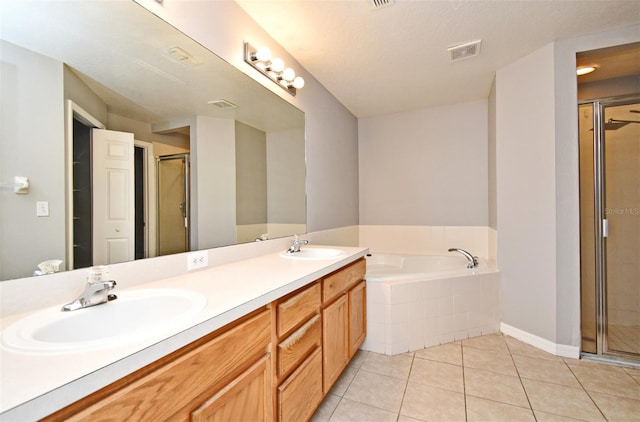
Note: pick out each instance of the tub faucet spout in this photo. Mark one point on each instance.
(473, 260)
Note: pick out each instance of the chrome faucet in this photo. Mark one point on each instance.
(296, 243)
(94, 294)
(473, 260)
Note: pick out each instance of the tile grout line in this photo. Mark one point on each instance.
(406, 385)
(586, 392)
(464, 384)
(520, 379)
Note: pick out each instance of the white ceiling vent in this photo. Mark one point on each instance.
(464, 51)
(379, 4)
(224, 104)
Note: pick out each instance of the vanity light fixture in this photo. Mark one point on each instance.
(273, 68)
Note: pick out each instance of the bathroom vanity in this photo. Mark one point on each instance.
(289, 329)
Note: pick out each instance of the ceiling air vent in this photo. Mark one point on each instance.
(379, 4)
(464, 51)
(224, 104)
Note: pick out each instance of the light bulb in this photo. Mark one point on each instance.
(583, 70)
(263, 54)
(288, 74)
(298, 82)
(277, 65)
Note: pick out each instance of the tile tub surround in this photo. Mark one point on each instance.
(490, 378)
(405, 316)
(232, 291)
(429, 240)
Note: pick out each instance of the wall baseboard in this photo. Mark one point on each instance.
(562, 350)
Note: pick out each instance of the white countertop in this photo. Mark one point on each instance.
(33, 385)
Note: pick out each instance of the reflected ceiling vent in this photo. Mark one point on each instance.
(223, 104)
(379, 4)
(464, 51)
(183, 56)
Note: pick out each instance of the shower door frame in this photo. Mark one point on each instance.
(600, 221)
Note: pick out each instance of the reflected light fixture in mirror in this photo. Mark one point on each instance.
(273, 68)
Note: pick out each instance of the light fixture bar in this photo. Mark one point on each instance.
(273, 68)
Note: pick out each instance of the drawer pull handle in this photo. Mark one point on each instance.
(300, 332)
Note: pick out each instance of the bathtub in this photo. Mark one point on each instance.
(418, 301)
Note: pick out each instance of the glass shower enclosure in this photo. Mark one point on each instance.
(610, 226)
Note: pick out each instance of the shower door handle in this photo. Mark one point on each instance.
(605, 228)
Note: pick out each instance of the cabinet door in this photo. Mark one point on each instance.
(357, 317)
(335, 340)
(247, 398)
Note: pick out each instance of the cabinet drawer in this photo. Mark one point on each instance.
(301, 393)
(294, 310)
(294, 348)
(340, 281)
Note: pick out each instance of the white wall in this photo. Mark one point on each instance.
(37, 116)
(426, 167)
(213, 177)
(526, 205)
(286, 177)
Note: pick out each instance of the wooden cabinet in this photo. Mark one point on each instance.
(209, 378)
(343, 319)
(244, 399)
(298, 336)
(301, 393)
(335, 340)
(357, 317)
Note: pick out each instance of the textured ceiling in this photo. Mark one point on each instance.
(392, 59)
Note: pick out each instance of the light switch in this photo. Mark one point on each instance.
(42, 209)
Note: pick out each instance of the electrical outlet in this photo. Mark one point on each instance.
(197, 260)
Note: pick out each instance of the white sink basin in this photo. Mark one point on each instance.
(315, 253)
(135, 315)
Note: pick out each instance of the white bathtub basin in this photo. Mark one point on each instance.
(315, 253)
(133, 316)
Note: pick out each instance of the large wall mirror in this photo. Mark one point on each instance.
(134, 141)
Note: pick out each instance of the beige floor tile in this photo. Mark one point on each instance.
(392, 366)
(561, 400)
(607, 379)
(350, 411)
(376, 390)
(488, 360)
(437, 374)
(493, 342)
(447, 353)
(357, 360)
(494, 386)
(487, 410)
(546, 370)
(342, 383)
(432, 404)
(617, 408)
(328, 405)
(550, 417)
(517, 347)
